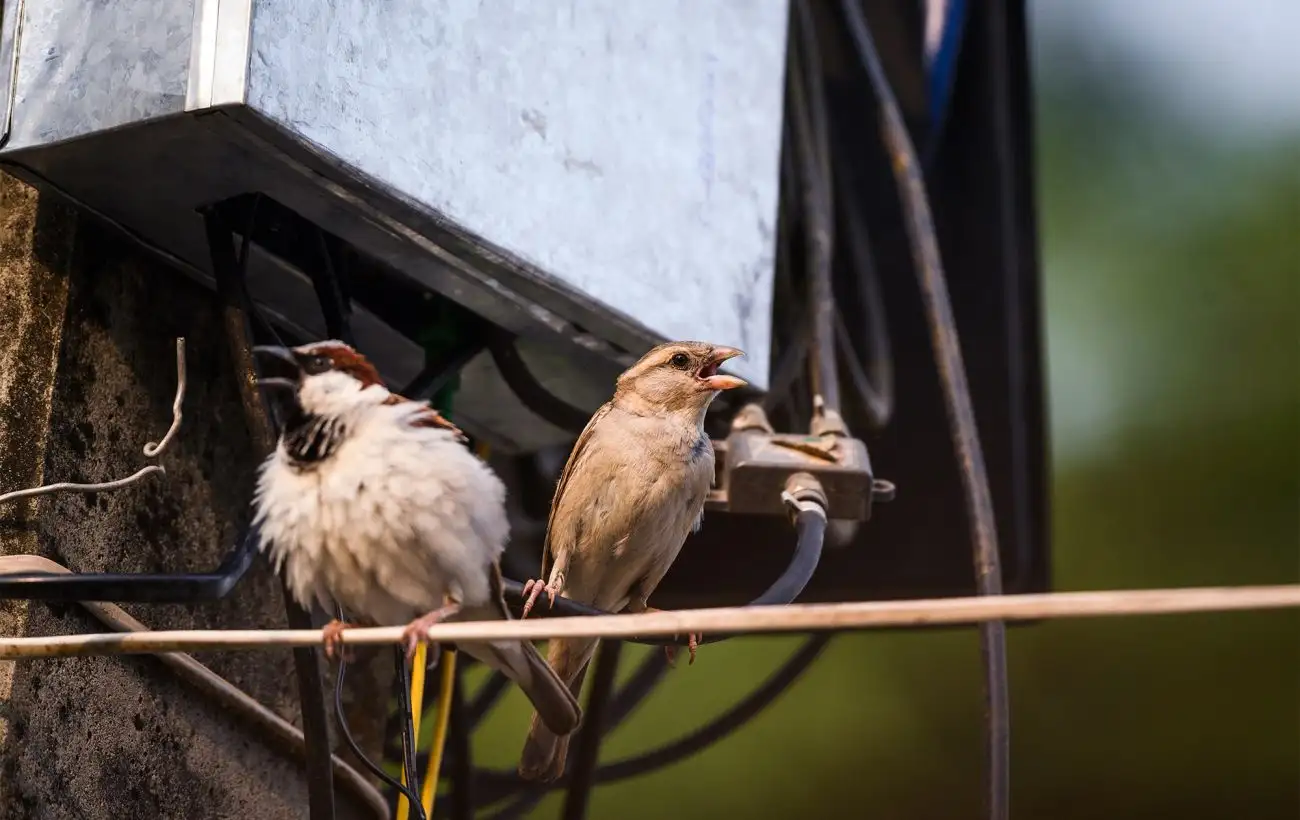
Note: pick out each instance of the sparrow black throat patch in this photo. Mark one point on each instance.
(309, 439)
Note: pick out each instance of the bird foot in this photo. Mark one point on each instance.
(533, 590)
(417, 631)
(692, 643)
(334, 639)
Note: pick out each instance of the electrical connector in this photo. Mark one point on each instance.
(757, 463)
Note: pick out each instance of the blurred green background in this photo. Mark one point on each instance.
(1169, 192)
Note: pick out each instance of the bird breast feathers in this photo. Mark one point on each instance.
(391, 494)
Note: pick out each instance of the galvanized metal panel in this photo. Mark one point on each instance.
(589, 176)
(628, 148)
(88, 66)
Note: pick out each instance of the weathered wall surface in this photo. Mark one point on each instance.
(33, 290)
(87, 376)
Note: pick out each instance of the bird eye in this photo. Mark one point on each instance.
(680, 361)
(316, 364)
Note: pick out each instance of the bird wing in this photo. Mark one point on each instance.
(427, 416)
(496, 585)
(575, 455)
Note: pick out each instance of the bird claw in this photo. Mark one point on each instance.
(417, 631)
(334, 640)
(692, 643)
(532, 591)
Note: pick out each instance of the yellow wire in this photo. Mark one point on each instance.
(441, 719)
(417, 704)
(430, 786)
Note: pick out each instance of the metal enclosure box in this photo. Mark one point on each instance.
(594, 176)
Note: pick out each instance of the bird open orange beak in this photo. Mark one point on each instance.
(709, 372)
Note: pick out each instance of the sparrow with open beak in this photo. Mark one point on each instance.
(373, 502)
(632, 490)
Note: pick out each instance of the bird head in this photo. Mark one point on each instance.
(326, 378)
(677, 377)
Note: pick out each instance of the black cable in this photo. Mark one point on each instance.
(534, 395)
(237, 312)
(942, 77)
(334, 305)
(631, 695)
(726, 723)
(792, 358)
(957, 401)
(810, 528)
(408, 733)
(459, 760)
(346, 732)
(647, 676)
(175, 588)
(488, 695)
(582, 766)
(715, 730)
(811, 150)
(259, 323)
(439, 370)
(874, 383)
(136, 588)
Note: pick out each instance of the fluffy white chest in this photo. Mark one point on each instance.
(393, 520)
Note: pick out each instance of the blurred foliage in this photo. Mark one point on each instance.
(1171, 261)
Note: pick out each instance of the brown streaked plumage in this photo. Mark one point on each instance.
(632, 490)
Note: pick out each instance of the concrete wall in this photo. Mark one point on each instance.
(87, 376)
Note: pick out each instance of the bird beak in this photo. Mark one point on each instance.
(710, 376)
(282, 356)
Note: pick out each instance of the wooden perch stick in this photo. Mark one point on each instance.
(774, 619)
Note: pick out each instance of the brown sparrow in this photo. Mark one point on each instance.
(373, 502)
(632, 490)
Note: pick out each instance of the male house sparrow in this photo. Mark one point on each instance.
(372, 501)
(632, 490)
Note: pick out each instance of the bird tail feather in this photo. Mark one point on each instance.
(545, 751)
(520, 661)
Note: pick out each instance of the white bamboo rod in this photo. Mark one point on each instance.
(774, 619)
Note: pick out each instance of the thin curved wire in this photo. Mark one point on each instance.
(151, 449)
(957, 400)
(70, 487)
